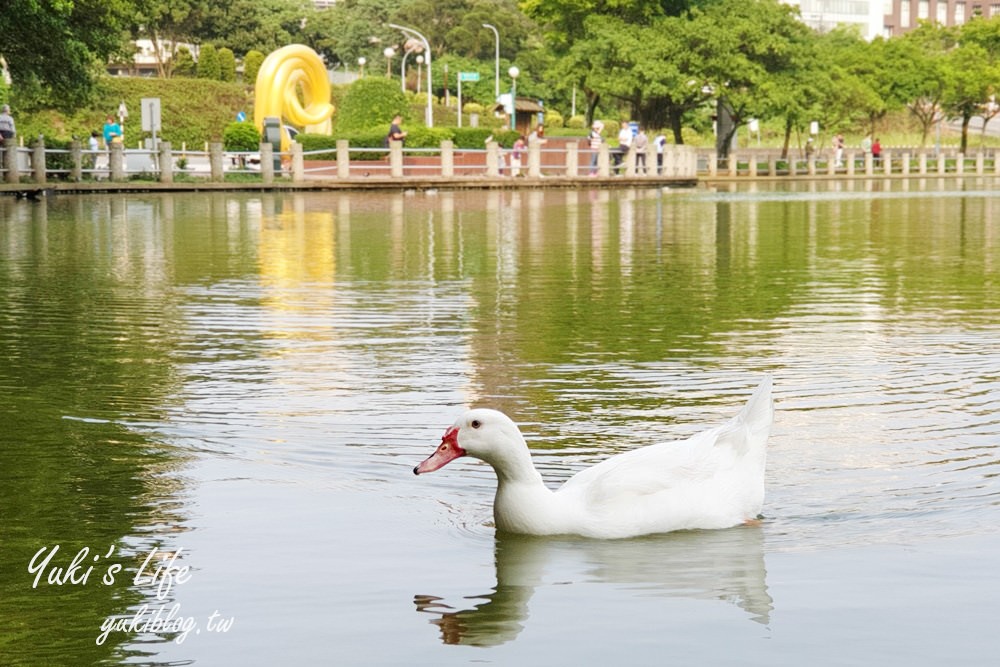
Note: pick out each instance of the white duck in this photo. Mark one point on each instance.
(714, 479)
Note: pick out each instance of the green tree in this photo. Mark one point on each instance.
(370, 102)
(183, 63)
(52, 48)
(208, 62)
(921, 71)
(972, 78)
(227, 65)
(251, 65)
(265, 25)
(167, 24)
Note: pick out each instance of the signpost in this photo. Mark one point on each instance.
(151, 116)
(464, 76)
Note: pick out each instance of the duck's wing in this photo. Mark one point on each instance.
(739, 443)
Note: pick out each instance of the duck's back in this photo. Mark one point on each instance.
(714, 479)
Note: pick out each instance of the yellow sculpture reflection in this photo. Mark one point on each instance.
(292, 84)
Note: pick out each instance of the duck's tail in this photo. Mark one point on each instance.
(748, 431)
(758, 413)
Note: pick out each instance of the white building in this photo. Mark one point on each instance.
(824, 15)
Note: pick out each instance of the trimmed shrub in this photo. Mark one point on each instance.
(241, 137)
(369, 103)
(208, 62)
(227, 65)
(577, 122)
(472, 107)
(251, 65)
(184, 64)
(553, 119)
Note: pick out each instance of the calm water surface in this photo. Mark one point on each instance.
(235, 388)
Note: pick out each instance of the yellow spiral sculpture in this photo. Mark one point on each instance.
(292, 84)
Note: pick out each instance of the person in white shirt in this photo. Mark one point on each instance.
(624, 143)
(660, 141)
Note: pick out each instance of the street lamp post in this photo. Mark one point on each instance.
(429, 114)
(514, 72)
(420, 71)
(496, 62)
(410, 48)
(389, 52)
(361, 65)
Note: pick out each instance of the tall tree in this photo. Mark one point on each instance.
(972, 79)
(53, 48)
(168, 24)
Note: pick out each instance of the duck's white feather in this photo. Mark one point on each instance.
(714, 479)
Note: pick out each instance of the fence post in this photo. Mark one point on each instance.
(980, 163)
(396, 158)
(960, 163)
(266, 162)
(752, 165)
(534, 159)
(343, 159)
(604, 160)
(38, 160)
(166, 163)
(447, 158)
(940, 163)
(76, 155)
(116, 161)
(734, 165)
(906, 164)
(10, 158)
(298, 163)
(887, 163)
(572, 159)
(492, 159)
(713, 163)
(850, 164)
(922, 163)
(869, 164)
(215, 161)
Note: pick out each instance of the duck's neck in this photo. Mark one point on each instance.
(517, 469)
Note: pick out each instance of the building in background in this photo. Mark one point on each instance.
(889, 18)
(904, 15)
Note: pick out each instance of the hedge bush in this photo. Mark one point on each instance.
(370, 102)
(208, 62)
(241, 137)
(553, 119)
(251, 65)
(577, 122)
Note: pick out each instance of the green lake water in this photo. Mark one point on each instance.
(212, 403)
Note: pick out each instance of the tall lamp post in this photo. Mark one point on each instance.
(361, 65)
(389, 52)
(496, 62)
(411, 46)
(514, 72)
(420, 72)
(429, 114)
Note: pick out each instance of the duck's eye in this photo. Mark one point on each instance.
(476, 423)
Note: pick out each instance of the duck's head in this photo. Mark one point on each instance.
(485, 434)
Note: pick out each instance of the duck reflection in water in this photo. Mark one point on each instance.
(705, 565)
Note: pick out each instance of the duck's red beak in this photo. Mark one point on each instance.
(447, 451)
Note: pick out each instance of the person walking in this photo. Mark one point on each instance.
(639, 145)
(7, 133)
(595, 140)
(624, 144)
(660, 143)
(517, 156)
(7, 128)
